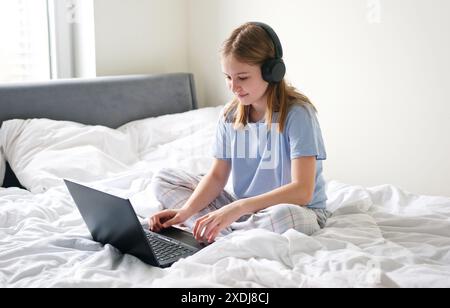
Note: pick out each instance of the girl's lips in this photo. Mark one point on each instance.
(241, 96)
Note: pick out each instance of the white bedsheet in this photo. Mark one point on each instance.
(379, 236)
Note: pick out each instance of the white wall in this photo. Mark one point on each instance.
(380, 82)
(83, 32)
(381, 88)
(141, 36)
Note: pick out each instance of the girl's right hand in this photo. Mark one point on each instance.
(167, 218)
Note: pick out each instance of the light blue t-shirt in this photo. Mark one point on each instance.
(261, 159)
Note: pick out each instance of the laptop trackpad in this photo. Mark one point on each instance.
(182, 236)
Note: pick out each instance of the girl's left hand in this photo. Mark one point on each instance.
(206, 228)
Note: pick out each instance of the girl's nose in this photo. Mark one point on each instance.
(234, 86)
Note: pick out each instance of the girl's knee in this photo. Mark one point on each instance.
(284, 210)
(163, 174)
(160, 181)
(294, 216)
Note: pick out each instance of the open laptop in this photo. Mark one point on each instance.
(112, 220)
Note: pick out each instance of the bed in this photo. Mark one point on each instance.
(114, 133)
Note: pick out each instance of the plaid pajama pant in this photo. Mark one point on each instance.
(173, 187)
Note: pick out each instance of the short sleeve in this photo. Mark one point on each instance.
(221, 147)
(304, 133)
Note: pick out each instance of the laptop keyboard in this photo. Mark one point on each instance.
(166, 250)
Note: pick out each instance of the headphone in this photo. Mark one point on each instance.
(273, 70)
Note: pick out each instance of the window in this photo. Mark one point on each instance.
(24, 40)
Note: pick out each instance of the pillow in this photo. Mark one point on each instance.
(2, 164)
(182, 140)
(150, 133)
(42, 152)
(192, 152)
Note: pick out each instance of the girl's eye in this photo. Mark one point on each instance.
(240, 78)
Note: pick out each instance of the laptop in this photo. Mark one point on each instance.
(112, 220)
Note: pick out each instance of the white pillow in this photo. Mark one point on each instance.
(192, 153)
(2, 163)
(182, 140)
(42, 152)
(150, 133)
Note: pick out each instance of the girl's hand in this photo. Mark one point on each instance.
(167, 218)
(206, 228)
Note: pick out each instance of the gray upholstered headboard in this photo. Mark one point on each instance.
(107, 101)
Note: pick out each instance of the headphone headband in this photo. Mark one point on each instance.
(272, 70)
(273, 36)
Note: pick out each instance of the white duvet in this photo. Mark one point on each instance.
(378, 237)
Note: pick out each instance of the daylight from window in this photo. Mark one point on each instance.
(24, 41)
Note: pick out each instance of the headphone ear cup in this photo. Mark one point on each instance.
(273, 70)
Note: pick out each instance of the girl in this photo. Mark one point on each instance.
(268, 138)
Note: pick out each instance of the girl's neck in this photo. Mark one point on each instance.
(257, 113)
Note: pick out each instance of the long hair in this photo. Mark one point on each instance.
(251, 44)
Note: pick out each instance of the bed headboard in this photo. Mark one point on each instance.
(107, 101)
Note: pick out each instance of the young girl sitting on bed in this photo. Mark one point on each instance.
(268, 138)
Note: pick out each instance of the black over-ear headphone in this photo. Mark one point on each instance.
(273, 70)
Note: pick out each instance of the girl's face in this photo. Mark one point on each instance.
(245, 81)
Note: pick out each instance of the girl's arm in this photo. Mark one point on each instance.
(300, 191)
(210, 186)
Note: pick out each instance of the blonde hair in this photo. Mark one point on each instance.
(251, 44)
